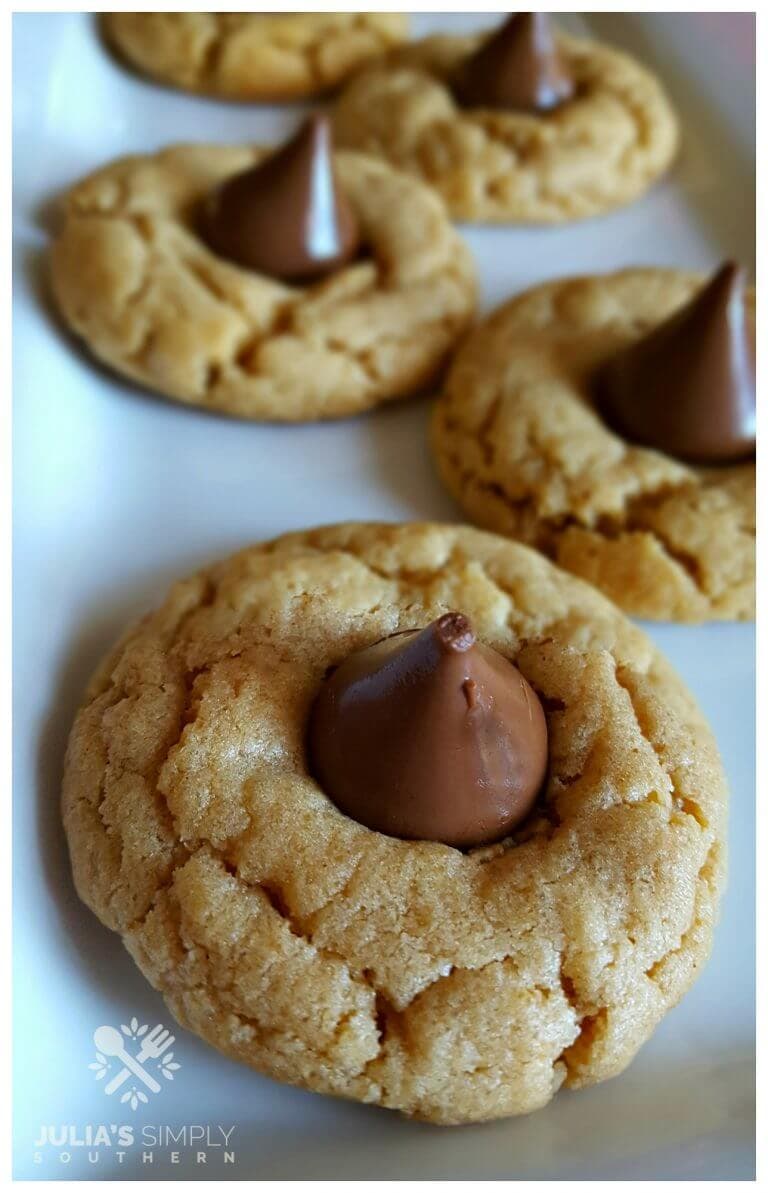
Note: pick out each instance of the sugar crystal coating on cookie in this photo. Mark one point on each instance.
(688, 387)
(287, 216)
(431, 735)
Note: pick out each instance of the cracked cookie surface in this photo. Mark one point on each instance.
(134, 279)
(451, 986)
(521, 447)
(602, 149)
(252, 56)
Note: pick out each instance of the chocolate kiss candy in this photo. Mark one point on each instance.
(519, 67)
(430, 735)
(688, 387)
(285, 217)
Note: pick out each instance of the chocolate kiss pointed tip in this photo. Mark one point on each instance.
(687, 388)
(430, 735)
(730, 273)
(313, 136)
(454, 632)
(519, 67)
(287, 216)
(727, 285)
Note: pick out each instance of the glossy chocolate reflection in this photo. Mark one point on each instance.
(286, 217)
(430, 735)
(519, 67)
(688, 387)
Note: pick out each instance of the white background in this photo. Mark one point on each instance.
(117, 493)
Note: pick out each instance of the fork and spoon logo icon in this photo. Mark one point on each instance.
(154, 1045)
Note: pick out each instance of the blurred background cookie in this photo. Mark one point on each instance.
(252, 56)
(522, 124)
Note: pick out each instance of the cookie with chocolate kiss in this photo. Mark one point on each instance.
(453, 987)
(430, 735)
(519, 68)
(547, 413)
(523, 123)
(688, 387)
(287, 216)
(250, 339)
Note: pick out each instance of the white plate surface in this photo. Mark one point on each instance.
(117, 493)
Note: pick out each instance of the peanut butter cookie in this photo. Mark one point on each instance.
(133, 277)
(452, 986)
(522, 447)
(252, 56)
(602, 147)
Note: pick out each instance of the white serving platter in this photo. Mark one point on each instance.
(117, 493)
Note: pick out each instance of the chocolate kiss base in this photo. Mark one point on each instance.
(286, 217)
(430, 735)
(688, 388)
(518, 68)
